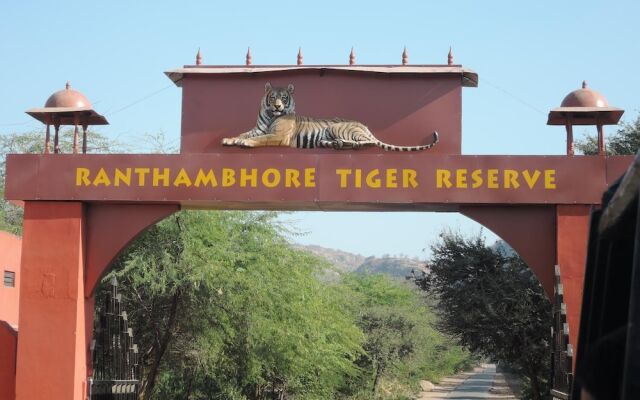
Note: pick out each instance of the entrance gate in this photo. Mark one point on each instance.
(114, 354)
(81, 210)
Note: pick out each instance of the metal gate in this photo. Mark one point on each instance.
(115, 355)
(562, 352)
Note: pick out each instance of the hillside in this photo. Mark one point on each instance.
(345, 262)
(342, 260)
(399, 267)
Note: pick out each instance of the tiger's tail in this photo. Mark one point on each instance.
(391, 147)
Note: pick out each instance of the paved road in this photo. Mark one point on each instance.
(476, 386)
(471, 386)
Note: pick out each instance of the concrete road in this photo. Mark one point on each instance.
(483, 383)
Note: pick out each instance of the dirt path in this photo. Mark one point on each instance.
(482, 383)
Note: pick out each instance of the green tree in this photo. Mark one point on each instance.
(626, 141)
(401, 342)
(493, 304)
(223, 307)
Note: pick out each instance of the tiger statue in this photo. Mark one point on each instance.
(278, 125)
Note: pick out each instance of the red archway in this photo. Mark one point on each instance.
(82, 210)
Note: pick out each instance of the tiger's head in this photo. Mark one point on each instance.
(278, 101)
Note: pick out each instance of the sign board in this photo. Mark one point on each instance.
(327, 180)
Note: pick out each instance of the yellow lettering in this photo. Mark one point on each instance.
(549, 178)
(122, 176)
(82, 176)
(157, 177)
(476, 175)
(309, 177)
(409, 178)
(358, 177)
(492, 179)
(392, 178)
(142, 172)
(101, 178)
(291, 177)
(202, 179)
(251, 177)
(443, 178)
(228, 177)
(182, 178)
(344, 173)
(372, 180)
(461, 178)
(271, 182)
(511, 179)
(531, 179)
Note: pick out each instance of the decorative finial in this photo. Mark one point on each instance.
(300, 58)
(68, 85)
(199, 57)
(584, 84)
(248, 58)
(450, 57)
(352, 57)
(405, 56)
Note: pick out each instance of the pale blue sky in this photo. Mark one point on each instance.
(528, 56)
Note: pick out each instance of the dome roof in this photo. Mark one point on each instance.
(67, 107)
(67, 98)
(584, 107)
(584, 97)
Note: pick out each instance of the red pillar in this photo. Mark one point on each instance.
(572, 234)
(52, 345)
(8, 343)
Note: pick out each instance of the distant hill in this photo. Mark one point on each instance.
(342, 260)
(398, 267)
(345, 262)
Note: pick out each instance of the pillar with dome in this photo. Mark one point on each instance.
(585, 106)
(67, 107)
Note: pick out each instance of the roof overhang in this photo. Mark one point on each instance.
(468, 77)
(585, 116)
(68, 116)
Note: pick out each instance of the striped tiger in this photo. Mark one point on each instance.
(278, 125)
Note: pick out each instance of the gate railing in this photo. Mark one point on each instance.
(562, 352)
(115, 355)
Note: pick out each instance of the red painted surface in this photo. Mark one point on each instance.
(504, 179)
(52, 350)
(529, 230)
(8, 345)
(572, 237)
(616, 167)
(110, 228)
(10, 248)
(398, 109)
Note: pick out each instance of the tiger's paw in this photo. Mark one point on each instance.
(244, 143)
(229, 141)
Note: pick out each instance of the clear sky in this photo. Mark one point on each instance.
(528, 55)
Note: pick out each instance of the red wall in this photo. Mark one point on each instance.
(8, 346)
(9, 261)
(399, 109)
(10, 247)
